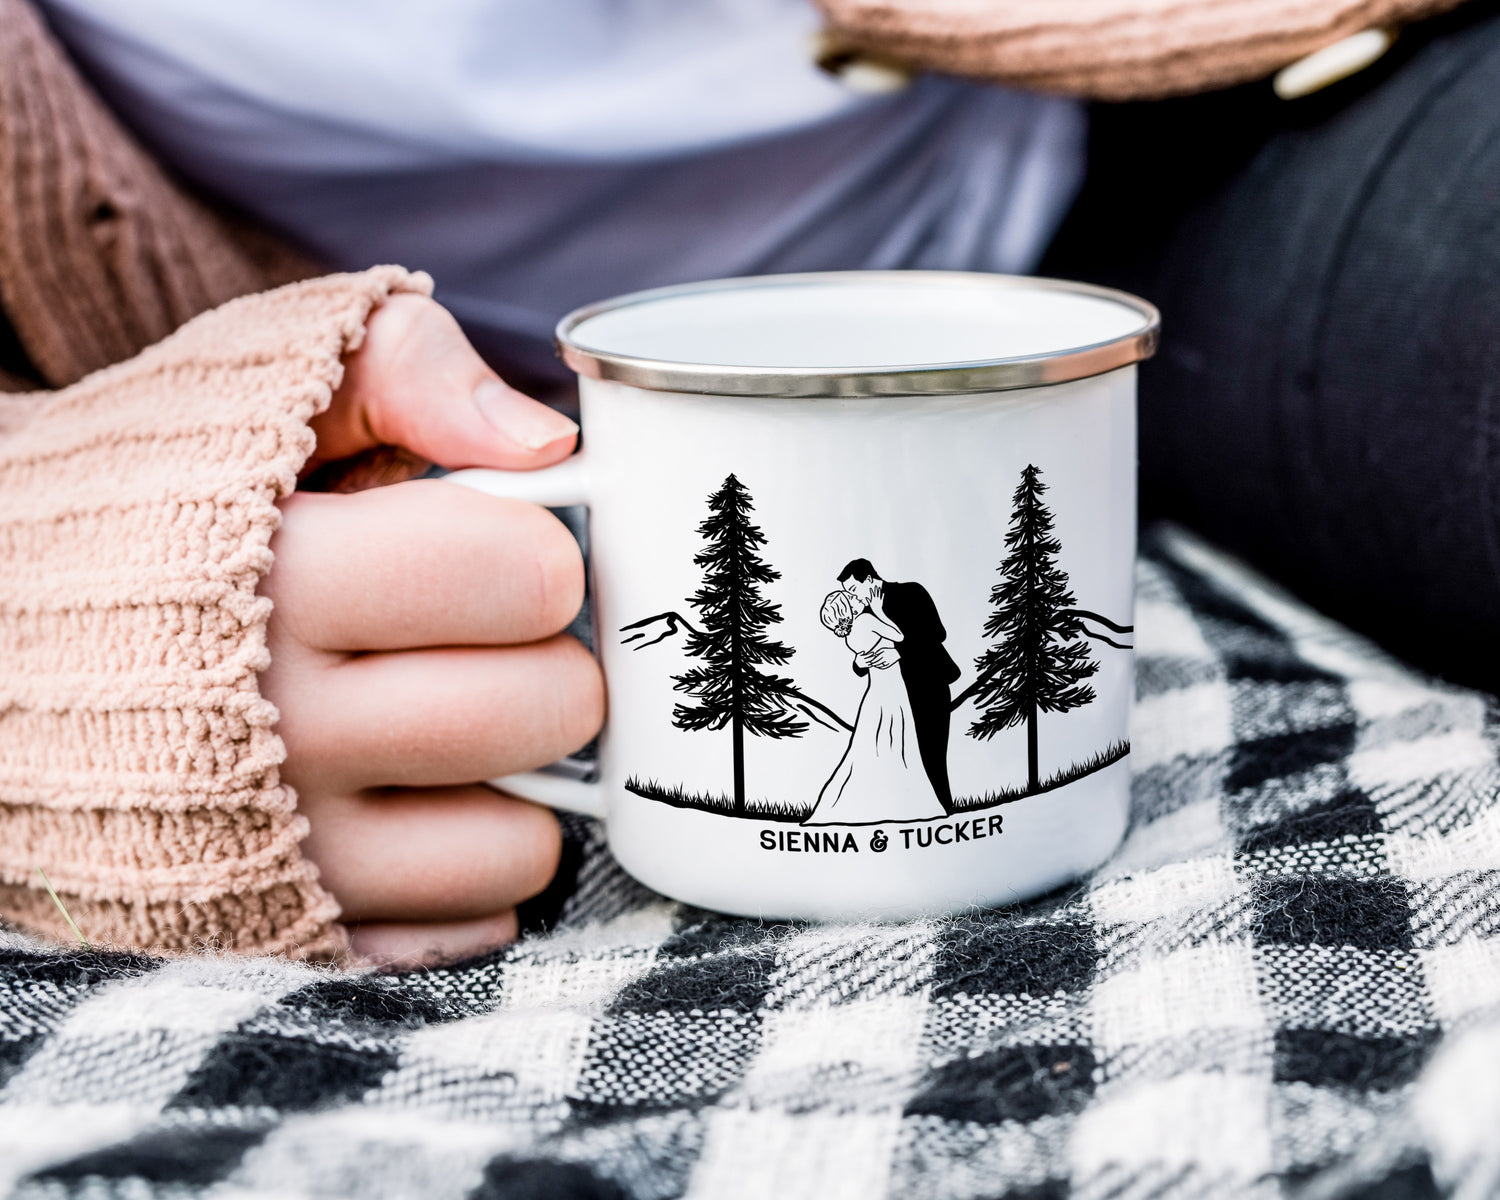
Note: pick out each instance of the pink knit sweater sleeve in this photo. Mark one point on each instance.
(138, 760)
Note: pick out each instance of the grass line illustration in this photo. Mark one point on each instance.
(1073, 774)
(769, 810)
(755, 809)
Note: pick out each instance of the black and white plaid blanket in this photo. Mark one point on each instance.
(1287, 982)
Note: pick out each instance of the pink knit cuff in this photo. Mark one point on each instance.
(138, 763)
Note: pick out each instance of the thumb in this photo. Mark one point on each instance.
(415, 382)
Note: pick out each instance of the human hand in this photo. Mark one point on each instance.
(416, 649)
(881, 658)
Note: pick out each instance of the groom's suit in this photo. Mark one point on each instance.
(928, 672)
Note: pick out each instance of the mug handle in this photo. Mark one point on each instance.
(558, 486)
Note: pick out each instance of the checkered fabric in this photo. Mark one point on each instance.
(1286, 982)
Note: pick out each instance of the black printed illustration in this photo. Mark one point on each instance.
(894, 762)
(1040, 662)
(730, 687)
(895, 767)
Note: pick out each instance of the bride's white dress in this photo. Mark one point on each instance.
(880, 777)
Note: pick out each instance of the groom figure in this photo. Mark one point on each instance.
(926, 668)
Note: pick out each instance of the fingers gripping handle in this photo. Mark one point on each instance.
(564, 484)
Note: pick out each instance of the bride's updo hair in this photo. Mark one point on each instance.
(839, 611)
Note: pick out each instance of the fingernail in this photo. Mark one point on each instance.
(529, 424)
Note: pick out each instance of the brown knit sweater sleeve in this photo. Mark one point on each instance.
(1108, 49)
(138, 760)
(101, 253)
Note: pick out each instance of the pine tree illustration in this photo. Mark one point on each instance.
(730, 688)
(1042, 662)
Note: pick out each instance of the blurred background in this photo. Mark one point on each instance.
(1327, 259)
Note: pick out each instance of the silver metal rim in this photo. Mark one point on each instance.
(928, 379)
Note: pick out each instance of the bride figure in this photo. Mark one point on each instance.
(880, 777)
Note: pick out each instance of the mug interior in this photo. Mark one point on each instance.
(858, 321)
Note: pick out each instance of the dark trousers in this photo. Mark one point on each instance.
(1327, 398)
(931, 707)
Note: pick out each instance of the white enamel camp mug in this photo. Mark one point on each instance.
(861, 549)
